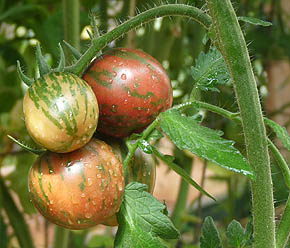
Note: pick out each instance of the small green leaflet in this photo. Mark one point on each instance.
(281, 132)
(186, 133)
(27, 147)
(210, 237)
(210, 70)
(237, 236)
(254, 21)
(142, 220)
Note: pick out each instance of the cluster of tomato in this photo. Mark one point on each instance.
(79, 182)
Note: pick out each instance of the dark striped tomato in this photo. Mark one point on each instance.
(132, 88)
(61, 112)
(80, 189)
(142, 169)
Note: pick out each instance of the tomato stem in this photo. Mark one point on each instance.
(133, 147)
(99, 43)
(232, 45)
(71, 21)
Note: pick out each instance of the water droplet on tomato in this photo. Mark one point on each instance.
(114, 108)
(121, 63)
(154, 77)
(114, 74)
(123, 76)
(99, 175)
(90, 182)
(90, 126)
(108, 163)
(120, 187)
(126, 101)
(83, 195)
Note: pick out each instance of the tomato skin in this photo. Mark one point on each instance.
(142, 169)
(61, 112)
(80, 189)
(132, 88)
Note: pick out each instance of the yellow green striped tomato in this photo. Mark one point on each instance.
(80, 189)
(61, 112)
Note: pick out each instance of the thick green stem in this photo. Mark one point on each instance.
(283, 231)
(71, 21)
(233, 47)
(61, 236)
(166, 10)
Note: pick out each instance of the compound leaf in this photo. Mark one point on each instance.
(186, 133)
(142, 220)
(210, 70)
(210, 237)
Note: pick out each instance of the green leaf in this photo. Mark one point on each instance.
(16, 218)
(142, 220)
(186, 133)
(19, 180)
(18, 9)
(210, 237)
(169, 161)
(254, 21)
(210, 70)
(280, 131)
(3, 233)
(236, 234)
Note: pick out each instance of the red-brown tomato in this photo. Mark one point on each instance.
(131, 87)
(80, 189)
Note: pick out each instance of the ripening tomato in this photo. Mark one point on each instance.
(132, 88)
(61, 112)
(80, 189)
(142, 169)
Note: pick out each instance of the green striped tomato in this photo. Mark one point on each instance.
(80, 189)
(132, 88)
(61, 112)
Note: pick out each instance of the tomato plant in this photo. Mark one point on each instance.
(132, 88)
(80, 189)
(61, 112)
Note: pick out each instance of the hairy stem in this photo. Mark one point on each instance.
(233, 47)
(99, 43)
